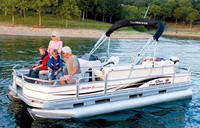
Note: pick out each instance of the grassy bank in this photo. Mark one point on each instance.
(180, 27)
(53, 21)
(182, 30)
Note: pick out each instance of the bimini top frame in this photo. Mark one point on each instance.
(133, 22)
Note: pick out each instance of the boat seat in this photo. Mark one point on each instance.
(43, 74)
(126, 71)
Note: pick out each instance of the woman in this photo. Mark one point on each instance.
(55, 43)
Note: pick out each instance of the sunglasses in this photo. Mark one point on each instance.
(53, 36)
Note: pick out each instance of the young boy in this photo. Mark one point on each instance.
(55, 66)
(34, 71)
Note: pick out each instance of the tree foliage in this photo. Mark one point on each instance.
(155, 11)
(10, 7)
(69, 10)
(192, 17)
(131, 12)
(40, 6)
(105, 10)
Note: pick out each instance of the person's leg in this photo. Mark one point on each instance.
(61, 77)
(35, 73)
(30, 72)
(52, 77)
(62, 80)
(75, 78)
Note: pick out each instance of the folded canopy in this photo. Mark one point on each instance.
(135, 22)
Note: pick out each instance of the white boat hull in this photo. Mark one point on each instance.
(109, 107)
(121, 88)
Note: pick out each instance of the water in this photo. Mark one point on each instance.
(184, 113)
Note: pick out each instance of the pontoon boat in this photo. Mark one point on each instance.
(107, 86)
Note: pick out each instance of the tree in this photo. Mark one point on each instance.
(155, 10)
(24, 5)
(69, 10)
(166, 10)
(10, 7)
(177, 14)
(192, 17)
(113, 9)
(185, 3)
(182, 12)
(185, 11)
(131, 12)
(84, 6)
(40, 6)
(101, 8)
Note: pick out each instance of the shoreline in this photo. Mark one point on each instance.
(71, 33)
(182, 35)
(86, 33)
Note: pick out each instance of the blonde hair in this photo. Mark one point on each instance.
(56, 34)
(42, 48)
(54, 51)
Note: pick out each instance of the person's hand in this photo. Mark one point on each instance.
(56, 73)
(69, 78)
(34, 68)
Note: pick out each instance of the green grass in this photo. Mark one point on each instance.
(53, 21)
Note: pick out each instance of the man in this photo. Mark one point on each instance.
(72, 65)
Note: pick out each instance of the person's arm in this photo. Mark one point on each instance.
(60, 47)
(44, 62)
(60, 67)
(75, 69)
(49, 47)
(56, 72)
(34, 68)
(50, 69)
(49, 65)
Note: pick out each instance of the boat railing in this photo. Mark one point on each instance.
(172, 75)
(107, 79)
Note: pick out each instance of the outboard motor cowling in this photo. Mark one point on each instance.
(90, 57)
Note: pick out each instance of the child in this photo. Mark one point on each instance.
(55, 43)
(34, 71)
(55, 66)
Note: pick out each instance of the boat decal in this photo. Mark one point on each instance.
(150, 82)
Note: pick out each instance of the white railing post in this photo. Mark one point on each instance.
(106, 83)
(77, 88)
(108, 49)
(154, 54)
(173, 75)
(22, 84)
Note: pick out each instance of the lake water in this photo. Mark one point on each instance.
(184, 113)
